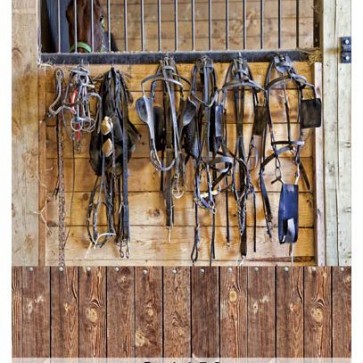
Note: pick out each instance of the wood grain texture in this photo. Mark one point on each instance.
(319, 200)
(227, 312)
(25, 194)
(92, 312)
(42, 160)
(17, 311)
(261, 312)
(148, 312)
(317, 312)
(330, 111)
(205, 312)
(120, 311)
(344, 116)
(233, 310)
(341, 312)
(289, 312)
(36, 312)
(177, 312)
(64, 312)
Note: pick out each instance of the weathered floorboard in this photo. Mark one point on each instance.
(64, 312)
(36, 312)
(177, 312)
(148, 312)
(205, 312)
(289, 312)
(17, 311)
(120, 311)
(261, 312)
(317, 312)
(341, 312)
(92, 312)
(233, 310)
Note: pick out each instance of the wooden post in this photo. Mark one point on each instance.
(337, 132)
(25, 179)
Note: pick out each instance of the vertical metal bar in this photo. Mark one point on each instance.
(159, 25)
(193, 24)
(227, 24)
(297, 24)
(142, 16)
(279, 10)
(75, 26)
(109, 25)
(210, 24)
(59, 26)
(92, 27)
(125, 27)
(244, 24)
(176, 30)
(262, 16)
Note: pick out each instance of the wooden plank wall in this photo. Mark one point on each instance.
(337, 132)
(182, 312)
(218, 30)
(149, 237)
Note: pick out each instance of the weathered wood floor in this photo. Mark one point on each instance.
(181, 312)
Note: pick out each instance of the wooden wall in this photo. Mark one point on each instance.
(29, 165)
(149, 244)
(182, 312)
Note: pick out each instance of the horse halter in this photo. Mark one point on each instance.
(308, 116)
(165, 123)
(239, 80)
(205, 143)
(81, 45)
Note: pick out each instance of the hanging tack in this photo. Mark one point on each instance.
(31, 269)
(144, 271)
(202, 270)
(117, 269)
(174, 271)
(61, 269)
(230, 269)
(342, 269)
(256, 269)
(313, 268)
(286, 269)
(88, 269)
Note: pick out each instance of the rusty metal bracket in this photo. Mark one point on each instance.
(346, 49)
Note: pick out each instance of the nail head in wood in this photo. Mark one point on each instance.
(342, 269)
(61, 269)
(230, 269)
(88, 269)
(31, 269)
(286, 269)
(256, 269)
(202, 270)
(174, 271)
(144, 271)
(117, 269)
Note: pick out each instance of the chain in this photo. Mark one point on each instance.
(61, 195)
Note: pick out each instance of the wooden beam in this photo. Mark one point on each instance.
(25, 180)
(337, 133)
(319, 200)
(343, 27)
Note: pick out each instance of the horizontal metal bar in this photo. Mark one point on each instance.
(181, 57)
